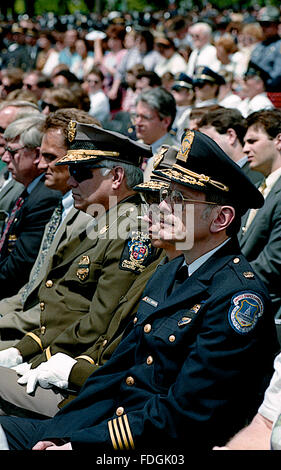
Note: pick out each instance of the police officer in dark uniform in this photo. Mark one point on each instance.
(267, 53)
(192, 364)
(17, 53)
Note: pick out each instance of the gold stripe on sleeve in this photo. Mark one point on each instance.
(125, 440)
(129, 431)
(36, 339)
(111, 433)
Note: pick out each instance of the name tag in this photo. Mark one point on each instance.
(150, 301)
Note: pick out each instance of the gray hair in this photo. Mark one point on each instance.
(26, 105)
(134, 175)
(202, 27)
(161, 100)
(27, 128)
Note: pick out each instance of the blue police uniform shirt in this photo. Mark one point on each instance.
(267, 55)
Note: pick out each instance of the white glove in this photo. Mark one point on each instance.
(22, 368)
(54, 372)
(10, 357)
(30, 378)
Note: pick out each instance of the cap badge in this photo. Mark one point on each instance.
(159, 157)
(71, 130)
(185, 146)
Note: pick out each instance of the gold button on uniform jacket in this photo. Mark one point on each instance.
(85, 284)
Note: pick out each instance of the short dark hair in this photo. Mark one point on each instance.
(96, 71)
(61, 118)
(154, 79)
(269, 120)
(223, 119)
(148, 37)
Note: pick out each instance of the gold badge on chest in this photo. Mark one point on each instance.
(84, 268)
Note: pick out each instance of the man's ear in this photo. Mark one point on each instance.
(278, 141)
(118, 175)
(232, 136)
(37, 155)
(166, 120)
(223, 218)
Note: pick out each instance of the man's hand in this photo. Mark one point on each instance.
(10, 357)
(50, 445)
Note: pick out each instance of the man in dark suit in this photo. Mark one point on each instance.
(10, 189)
(198, 341)
(227, 128)
(260, 232)
(24, 228)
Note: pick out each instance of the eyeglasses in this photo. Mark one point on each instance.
(82, 172)
(144, 117)
(9, 88)
(52, 107)
(12, 152)
(176, 197)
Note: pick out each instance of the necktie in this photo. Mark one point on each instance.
(182, 273)
(53, 225)
(15, 210)
(253, 212)
(180, 277)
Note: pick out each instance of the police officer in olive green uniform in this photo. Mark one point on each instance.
(88, 279)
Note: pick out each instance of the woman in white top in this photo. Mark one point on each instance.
(93, 84)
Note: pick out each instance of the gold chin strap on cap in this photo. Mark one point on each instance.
(201, 178)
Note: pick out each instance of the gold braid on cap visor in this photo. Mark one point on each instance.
(82, 155)
(192, 178)
(153, 185)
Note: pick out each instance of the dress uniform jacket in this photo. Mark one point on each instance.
(18, 317)
(103, 348)
(188, 370)
(85, 282)
(260, 243)
(24, 238)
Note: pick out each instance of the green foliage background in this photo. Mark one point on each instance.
(71, 6)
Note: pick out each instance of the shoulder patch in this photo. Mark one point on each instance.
(137, 253)
(244, 312)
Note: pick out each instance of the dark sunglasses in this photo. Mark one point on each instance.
(52, 107)
(12, 152)
(200, 84)
(82, 172)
